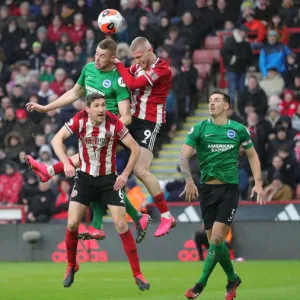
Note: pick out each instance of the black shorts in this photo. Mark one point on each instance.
(144, 132)
(88, 188)
(218, 203)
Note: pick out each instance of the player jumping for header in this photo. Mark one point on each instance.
(98, 133)
(217, 141)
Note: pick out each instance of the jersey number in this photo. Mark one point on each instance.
(147, 134)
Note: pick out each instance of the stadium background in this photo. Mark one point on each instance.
(44, 45)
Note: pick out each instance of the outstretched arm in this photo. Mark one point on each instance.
(131, 82)
(190, 189)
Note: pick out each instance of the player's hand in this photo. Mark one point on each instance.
(69, 170)
(116, 61)
(190, 191)
(260, 194)
(31, 106)
(120, 182)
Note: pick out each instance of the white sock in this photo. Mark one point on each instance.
(50, 170)
(166, 215)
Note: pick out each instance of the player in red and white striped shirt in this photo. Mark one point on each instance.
(149, 81)
(98, 132)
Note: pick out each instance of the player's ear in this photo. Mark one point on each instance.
(87, 109)
(112, 58)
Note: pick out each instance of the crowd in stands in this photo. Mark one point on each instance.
(44, 44)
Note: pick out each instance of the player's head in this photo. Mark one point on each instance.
(142, 52)
(105, 54)
(219, 103)
(95, 107)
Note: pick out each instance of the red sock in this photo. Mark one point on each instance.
(59, 167)
(71, 243)
(161, 203)
(131, 252)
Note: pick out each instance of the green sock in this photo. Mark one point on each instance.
(209, 264)
(131, 210)
(223, 257)
(99, 212)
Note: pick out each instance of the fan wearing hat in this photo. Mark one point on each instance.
(273, 54)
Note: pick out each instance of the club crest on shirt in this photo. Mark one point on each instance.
(107, 83)
(121, 82)
(231, 134)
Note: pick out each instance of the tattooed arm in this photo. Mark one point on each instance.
(190, 189)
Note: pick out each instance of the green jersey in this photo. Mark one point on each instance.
(218, 148)
(109, 84)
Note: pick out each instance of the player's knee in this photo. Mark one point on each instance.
(140, 171)
(216, 240)
(72, 225)
(121, 226)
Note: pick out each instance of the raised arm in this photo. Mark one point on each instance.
(125, 114)
(129, 142)
(190, 190)
(59, 149)
(67, 98)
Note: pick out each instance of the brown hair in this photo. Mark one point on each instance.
(108, 44)
(89, 99)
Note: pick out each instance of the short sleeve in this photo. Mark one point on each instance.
(246, 141)
(120, 130)
(192, 137)
(157, 73)
(81, 78)
(73, 125)
(122, 92)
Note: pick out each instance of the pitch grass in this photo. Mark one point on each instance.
(112, 281)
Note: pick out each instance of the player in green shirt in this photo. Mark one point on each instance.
(217, 142)
(100, 77)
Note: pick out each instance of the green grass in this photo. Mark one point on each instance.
(112, 281)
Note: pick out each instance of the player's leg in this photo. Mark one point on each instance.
(201, 240)
(142, 172)
(43, 172)
(118, 214)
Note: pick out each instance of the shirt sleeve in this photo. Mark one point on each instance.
(121, 90)
(120, 130)
(192, 137)
(81, 78)
(246, 141)
(156, 74)
(73, 125)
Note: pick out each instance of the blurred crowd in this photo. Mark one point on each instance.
(45, 44)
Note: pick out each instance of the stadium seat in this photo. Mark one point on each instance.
(203, 57)
(203, 70)
(217, 55)
(212, 42)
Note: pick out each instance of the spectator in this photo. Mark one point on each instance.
(10, 185)
(85, 10)
(60, 212)
(18, 97)
(296, 87)
(277, 190)
(288, 11)
(56, 29)
(22, 52)
(30, 33)
(263, 10)
(293, 69)
(281, 138)
(37, 59)
(233, 115)
(273, 55)
(67, 14)
(77, 31)
(156, 14)
(42, 205)
(71, 66)
(277, 24)
(273, 115)
(256, 27)
(30, 188)
(171, 116)
(5, 17)
(3, 161)
(297, 149)
(286, 123)
(276, 167)
(203, 16)
(273, 84)
(48, 47)
(44, 93)
(14, 143)
(164, 28)
(288, 106)
(296, 119)
(222, 13)
(255, 96)
(45, 156)
(35, 8)
(237, 56)
(46, 16)
(9, 120)
(123, 54)
(90, 43)
(4, 69)
(57, 86)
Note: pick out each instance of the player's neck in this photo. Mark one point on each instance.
(108, 68)
(153, 59)
(219, 120)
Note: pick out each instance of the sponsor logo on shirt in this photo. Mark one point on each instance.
(152, 75)
(91, 90)
(107, 83)
(94, 141)
(231, 134)
(121, 82)
(220, 147)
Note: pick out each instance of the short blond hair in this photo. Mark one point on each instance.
(140, 42)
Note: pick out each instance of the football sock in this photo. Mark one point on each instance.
(161, 204)
(57, 168)
(131, 252)
(71, 244)
(223, 257)
(131, 210)
(209, 264)
(99, 212)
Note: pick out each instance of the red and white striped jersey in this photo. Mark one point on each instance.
(97, 144)
(149, 103)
